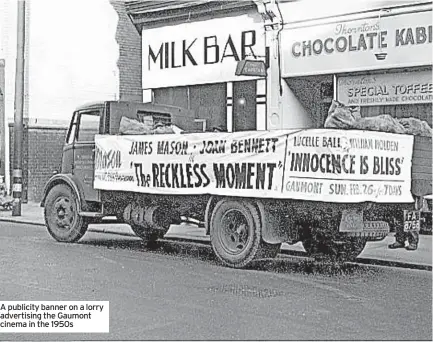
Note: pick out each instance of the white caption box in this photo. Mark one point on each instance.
(54, 317)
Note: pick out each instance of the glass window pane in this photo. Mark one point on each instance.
(89, 127)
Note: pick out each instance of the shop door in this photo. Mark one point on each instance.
(244, 106)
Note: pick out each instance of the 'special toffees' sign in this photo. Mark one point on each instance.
(313, 164)
(386, 89)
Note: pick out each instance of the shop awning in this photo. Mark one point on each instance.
(148, 12)
(137, 7)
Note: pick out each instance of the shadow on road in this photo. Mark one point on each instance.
(202, 252)
(189, 250)
(311, 267)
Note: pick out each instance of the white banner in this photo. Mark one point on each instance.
(395, 41)
(316, 165)
(200, 52)
(386, 89)
(348, 166)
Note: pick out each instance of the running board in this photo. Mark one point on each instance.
(91, 214)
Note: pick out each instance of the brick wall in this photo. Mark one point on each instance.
(42, 154)
(130, 60)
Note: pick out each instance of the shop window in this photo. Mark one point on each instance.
(172, 96)
(326, 91)
(206, 101)
(209, 103)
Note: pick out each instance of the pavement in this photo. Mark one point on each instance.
(374, 253)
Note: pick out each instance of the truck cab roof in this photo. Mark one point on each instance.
(147, 105)
(91, 105)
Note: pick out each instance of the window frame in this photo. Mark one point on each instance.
(91, 112)
(72, 130)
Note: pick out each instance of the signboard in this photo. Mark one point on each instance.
(200, 52)
(402, 40)
(251, 68)
(386, 89)
(318, 165)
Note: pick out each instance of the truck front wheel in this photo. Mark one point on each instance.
(62, 217)
(236, 234)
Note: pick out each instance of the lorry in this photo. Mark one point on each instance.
(333, 190)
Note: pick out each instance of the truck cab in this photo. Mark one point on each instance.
(77, 167)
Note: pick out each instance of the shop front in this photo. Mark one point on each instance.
(380, 60)
(192, 65)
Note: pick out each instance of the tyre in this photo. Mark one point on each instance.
(236, 234)
(62, 217)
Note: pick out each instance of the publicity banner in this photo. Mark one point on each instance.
(348, 166)
(315, 164)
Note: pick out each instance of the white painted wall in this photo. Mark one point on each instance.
(284, 111)
(294, 113)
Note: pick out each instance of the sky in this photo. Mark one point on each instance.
(72, 55)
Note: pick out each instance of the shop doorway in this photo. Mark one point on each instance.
(244, 106)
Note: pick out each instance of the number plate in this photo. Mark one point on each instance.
(412, 220)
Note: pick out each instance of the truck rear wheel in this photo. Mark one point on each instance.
(236, 234)
(62, 215)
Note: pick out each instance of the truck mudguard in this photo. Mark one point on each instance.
(268, 219)
(69, 180)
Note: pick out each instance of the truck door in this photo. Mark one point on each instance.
(88, 125)
(68, 152)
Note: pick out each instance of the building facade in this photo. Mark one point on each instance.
(189, 52)
(373, 54)
(378, 58)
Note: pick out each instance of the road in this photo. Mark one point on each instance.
(180, 292)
